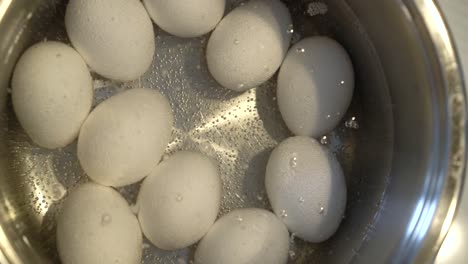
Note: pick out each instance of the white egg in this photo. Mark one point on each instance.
(315, 86)
(52, 93)
(249, 44)
(96, 226)
(115, 37)
(188, 18)
(125, 136)
(179, 200)
(245, 236)
(306, 188)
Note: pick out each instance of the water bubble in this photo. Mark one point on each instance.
(145, 246)
(284, 214)
(317, 8)
(241, 85)
(292, 254)
(259, 197)
(324, 140)
(301, 199)
(106, 219)
(342, 82)
(352, 123)
(293, 162)
(236, 42)
(300, 50)
(135, 208)
(179, 197)
(290, 29)
(239, 218)
(321, 210)
(292, 238)
(295, 38)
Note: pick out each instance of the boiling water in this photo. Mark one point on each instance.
(239, 130)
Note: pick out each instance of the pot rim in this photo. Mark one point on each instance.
(437, 208)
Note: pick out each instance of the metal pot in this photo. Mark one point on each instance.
(404, 165)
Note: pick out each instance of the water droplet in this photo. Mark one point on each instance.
(301, 199)
(290, 29)
(342, 82)
(106, 219)
(179, 197)
(259, 197)
(300, 50)
(239, 218)
(321, 210)
(284, 214)
(236, 42)
(293, 162)
(324, 140)
(241, 85)
(292, 254)
(352, 123)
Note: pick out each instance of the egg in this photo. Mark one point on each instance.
(188, 18)
(245, 236)
(315, 86)
(52, 93)
(179, 201)
(96, 226)
(306, 188)
(115, 37)
(124, 137)
(249, 44)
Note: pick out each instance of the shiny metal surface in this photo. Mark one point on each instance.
(403, 164)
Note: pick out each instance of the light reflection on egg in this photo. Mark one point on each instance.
(315, 86)
(306, 188)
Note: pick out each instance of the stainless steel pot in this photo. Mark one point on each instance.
(404, 165)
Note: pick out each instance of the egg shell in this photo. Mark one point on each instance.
(96, 226)
(52, 93)
(306, 188)
(115, 37)
(315, 86)
(245, 236)
(179, 201)
(188, 18)
(249, 44)
(125, 136)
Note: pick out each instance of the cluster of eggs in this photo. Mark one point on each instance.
(122, 140)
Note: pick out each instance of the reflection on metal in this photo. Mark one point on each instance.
(452, 244)
(443, 185)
